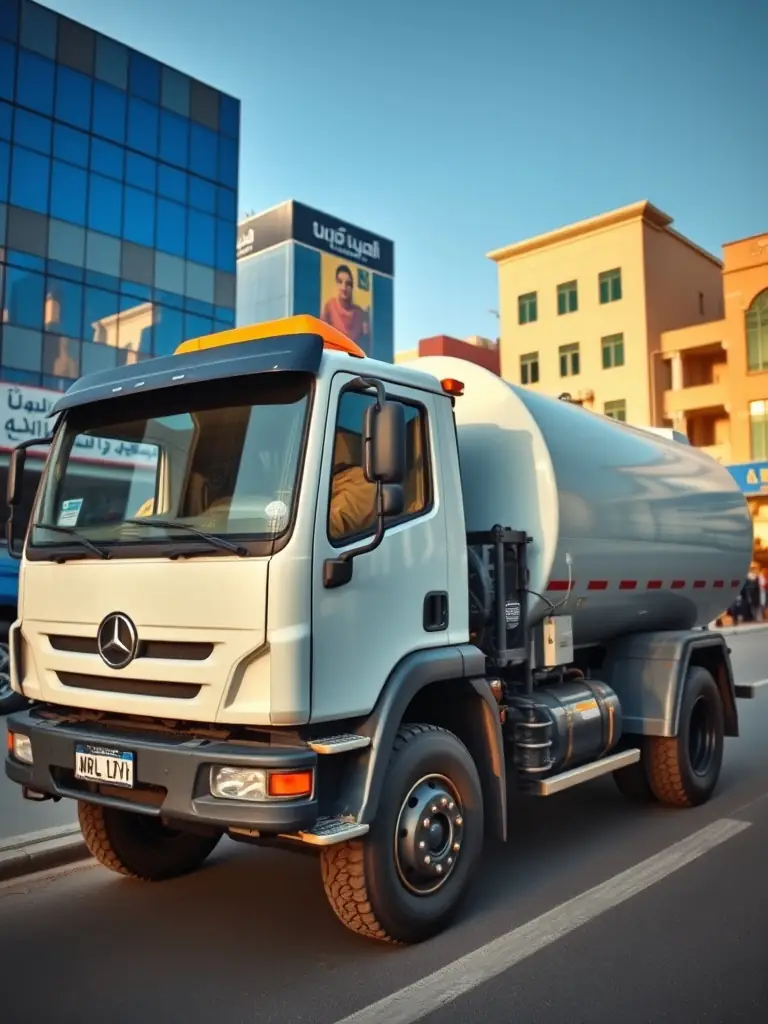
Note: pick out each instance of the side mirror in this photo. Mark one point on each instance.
(384, 439)
(393, 500)
(15, 484)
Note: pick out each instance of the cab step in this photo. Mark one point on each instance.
(340, 744)
(584, 773)
(329, 831)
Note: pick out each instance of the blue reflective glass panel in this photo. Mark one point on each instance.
(172, 183)
(33, 131)
(109, 111)
(24, 259)
(226, 241)
(144, 78)
(99, 306)
(142, 126)
(171, 227)
(59, 383)
(140, 171)
(65, 270)
(197, 326)
(7, 70)
(174, 139)
(225, 315)
(105, 205)
(169, 299)
(132, 291)
(203, 151)
(34, 87)
(24, 297)
(202, 194)
(198, 307)
(226, 203)
(229, 116)
(30, 175)
(169, 330)
(21, 377)
(6, 118)
(70, 145)
(201, 245)
(5, 170)
(64, 307)
(107, 158)
(73, 98)
(228, 161)
(69, 187)
(105, 282)
(139, 217)
(9, 19)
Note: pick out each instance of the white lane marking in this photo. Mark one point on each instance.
(436, 990)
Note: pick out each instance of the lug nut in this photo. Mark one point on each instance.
(456, 847)
(422, 844)
(451, 805)
(439, 869)
(426, 823)
(427, 859)
(450, 860)
(459, 821)
(434, 808)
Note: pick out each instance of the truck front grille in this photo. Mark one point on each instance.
(161, 650)
(141, 687)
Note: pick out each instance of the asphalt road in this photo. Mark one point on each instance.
(667, 921)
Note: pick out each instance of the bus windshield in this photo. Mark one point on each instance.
(205, 462)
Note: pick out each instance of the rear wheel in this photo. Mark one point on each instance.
(410, 875)
(682, 770)
(140, 846)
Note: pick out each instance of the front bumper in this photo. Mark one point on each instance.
(171, 774)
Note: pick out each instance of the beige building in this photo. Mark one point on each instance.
(583, 309)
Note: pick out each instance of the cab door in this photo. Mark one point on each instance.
(397, 598)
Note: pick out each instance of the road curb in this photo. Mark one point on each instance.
(38, 851)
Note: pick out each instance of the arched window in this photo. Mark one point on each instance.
(757, 332)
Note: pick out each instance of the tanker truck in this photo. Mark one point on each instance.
(343, 606)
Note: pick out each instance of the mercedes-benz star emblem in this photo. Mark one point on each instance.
(117, 640)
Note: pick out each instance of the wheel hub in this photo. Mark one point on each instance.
(429, 835)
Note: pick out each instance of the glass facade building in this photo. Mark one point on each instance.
(293, 259)
(118, 202)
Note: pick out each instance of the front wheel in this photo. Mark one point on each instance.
(140, 846)
(410, 875)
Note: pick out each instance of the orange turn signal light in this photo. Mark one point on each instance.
(452, 387)
(290, 784)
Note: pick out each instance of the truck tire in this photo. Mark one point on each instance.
(684, 770)
(632, 781)
(410, 875)
(139, 846)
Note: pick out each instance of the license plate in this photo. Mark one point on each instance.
(104, 764)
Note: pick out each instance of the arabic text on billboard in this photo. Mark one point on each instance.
(26, 413)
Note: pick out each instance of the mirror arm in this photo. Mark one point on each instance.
(371, 383)
(378, 537)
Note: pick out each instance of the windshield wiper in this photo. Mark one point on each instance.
(70, 532)
(213, 540)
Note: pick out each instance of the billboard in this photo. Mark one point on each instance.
(293, 221)
(295, 259)
(346, 298)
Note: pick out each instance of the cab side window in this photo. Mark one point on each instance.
(352, 504)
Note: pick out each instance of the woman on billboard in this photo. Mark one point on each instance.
(343, 313)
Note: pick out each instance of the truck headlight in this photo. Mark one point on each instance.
(20, 747)
(259, 784)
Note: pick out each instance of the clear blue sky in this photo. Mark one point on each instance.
(459, 126)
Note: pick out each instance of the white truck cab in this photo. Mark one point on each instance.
(290, 615)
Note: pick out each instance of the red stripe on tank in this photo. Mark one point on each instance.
(735, 583)
(719, 584)
(597, 585)
(699, 584)
(678, 584)
(558, 585)
(654, 584)
(627, 584)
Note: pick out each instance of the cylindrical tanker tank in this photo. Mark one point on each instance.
(631, 532)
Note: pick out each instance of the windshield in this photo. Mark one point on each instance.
(191, 465)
